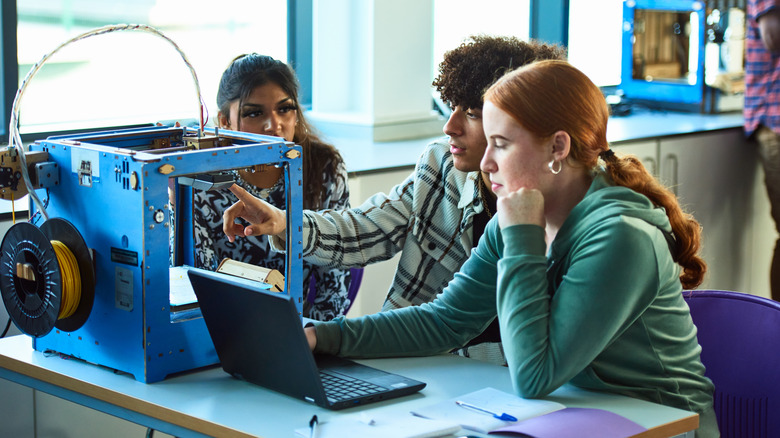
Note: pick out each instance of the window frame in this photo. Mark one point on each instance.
(298, 31)
(549, 22)
(9, 75)
(300, 45)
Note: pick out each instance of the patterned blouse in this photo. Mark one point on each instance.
(329, 296)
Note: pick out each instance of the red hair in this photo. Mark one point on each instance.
(550, 96)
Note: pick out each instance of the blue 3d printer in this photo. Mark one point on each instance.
(683, 55)
(108, 228)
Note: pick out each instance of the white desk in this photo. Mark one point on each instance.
(209, 402)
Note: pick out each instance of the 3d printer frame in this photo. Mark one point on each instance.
(113, 187)
(680, 92)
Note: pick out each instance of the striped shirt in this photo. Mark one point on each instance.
(762, 74)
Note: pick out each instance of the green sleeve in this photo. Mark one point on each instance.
(554, 322)
(463, 310)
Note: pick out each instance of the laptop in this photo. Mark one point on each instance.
(259, 338)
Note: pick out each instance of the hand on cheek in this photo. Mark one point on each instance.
(524, 206)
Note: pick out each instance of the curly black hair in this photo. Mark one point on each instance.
(470, 69)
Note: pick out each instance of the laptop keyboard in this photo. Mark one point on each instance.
(340, 387)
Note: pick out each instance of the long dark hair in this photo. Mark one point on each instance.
(247, 72)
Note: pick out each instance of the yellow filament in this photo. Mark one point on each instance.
(71, 279)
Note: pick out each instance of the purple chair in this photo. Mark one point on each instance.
(739, 336)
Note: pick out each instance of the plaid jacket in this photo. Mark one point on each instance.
(428, 218)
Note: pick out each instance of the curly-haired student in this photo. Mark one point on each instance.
(437, 215)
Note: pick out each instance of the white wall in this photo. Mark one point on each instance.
(372, 69)
(378, 276)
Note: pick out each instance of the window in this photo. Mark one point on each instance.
(594, 49)
(133, 77)
(595, 32)
(456, 20)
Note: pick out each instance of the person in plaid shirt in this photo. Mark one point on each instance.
(436, 216)
(762, 104)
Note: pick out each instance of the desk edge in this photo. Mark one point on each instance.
(117, 399)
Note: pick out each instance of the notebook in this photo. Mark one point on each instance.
(258, 336)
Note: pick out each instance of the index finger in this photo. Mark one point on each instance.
(229, 220)
(240, 192)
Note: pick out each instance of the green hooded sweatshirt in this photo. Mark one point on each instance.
(603, 310)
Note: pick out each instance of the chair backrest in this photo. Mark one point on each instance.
(740, 339)
(356, 277)
(354, 285)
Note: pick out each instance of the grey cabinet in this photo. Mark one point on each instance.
(716, 178)
(713, 174)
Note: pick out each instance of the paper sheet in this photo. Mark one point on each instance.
(492, 400)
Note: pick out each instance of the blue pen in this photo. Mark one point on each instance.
(503, 416)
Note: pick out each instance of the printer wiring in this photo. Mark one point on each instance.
(15, 140)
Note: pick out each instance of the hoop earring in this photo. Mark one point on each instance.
(551, 166)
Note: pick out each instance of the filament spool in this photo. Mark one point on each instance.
(58, 229)
(46, 277)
